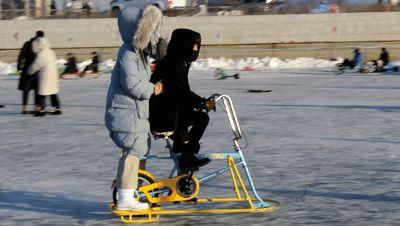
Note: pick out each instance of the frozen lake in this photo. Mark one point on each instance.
(325, 146)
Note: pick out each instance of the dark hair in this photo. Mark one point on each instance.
(39, 34)
(356, 50)
(94, 52)
(383, 49)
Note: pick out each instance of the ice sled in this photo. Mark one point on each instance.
(178, 194)
(221, 74)
(369, 67)
(78, 75)
(340, 68)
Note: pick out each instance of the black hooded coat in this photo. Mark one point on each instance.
(177, 101)
(26, 58)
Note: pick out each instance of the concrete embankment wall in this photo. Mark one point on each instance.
(238, 30)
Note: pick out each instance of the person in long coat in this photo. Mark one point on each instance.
(127, 107)
(46, 67)
(28, 82)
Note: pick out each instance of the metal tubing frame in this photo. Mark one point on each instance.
(231, 113)
(152, 215)
(215, 174)
(234, 123)
(261, 202)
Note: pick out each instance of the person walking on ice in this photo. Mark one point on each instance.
(94, 66)
(46, 66)
(127, 107)
(28, 82)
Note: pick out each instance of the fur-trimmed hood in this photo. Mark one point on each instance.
(40, 44)
(139, 27)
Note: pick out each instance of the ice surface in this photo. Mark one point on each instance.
(325, 146)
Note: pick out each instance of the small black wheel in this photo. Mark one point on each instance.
(236, 76)
(143, 180)
(186, 186)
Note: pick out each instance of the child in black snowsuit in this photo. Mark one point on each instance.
(94, 66)
(179, 108)
(70, 66)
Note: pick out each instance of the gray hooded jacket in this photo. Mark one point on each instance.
(127, 107)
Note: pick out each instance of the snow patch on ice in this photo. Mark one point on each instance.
(6, 69)
(213, 63)
(109, 64)
(61, 62)
(261, 64)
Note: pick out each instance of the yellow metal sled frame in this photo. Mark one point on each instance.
(241, 192)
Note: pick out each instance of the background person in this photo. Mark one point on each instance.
(70, 66)
(28, 82)
(94, 66)
(357, 59)
(46, 67)
(384, 59)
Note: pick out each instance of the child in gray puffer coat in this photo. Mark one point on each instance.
(127, 107)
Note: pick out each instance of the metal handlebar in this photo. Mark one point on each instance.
(230, 111)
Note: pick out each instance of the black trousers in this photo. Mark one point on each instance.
(70, 69)
(34, 85)
(54, 101)
(191, 127)
(92, 67)
(348, 63)
(25, 97)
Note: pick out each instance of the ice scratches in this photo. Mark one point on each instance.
(52, 203)
(302, 196)
(13, 175)
(342, 107)
(372, 140)
(337, 195)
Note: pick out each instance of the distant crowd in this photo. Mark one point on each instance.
(38, 69)
(379, 65)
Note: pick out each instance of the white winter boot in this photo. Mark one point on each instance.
(127, 201)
